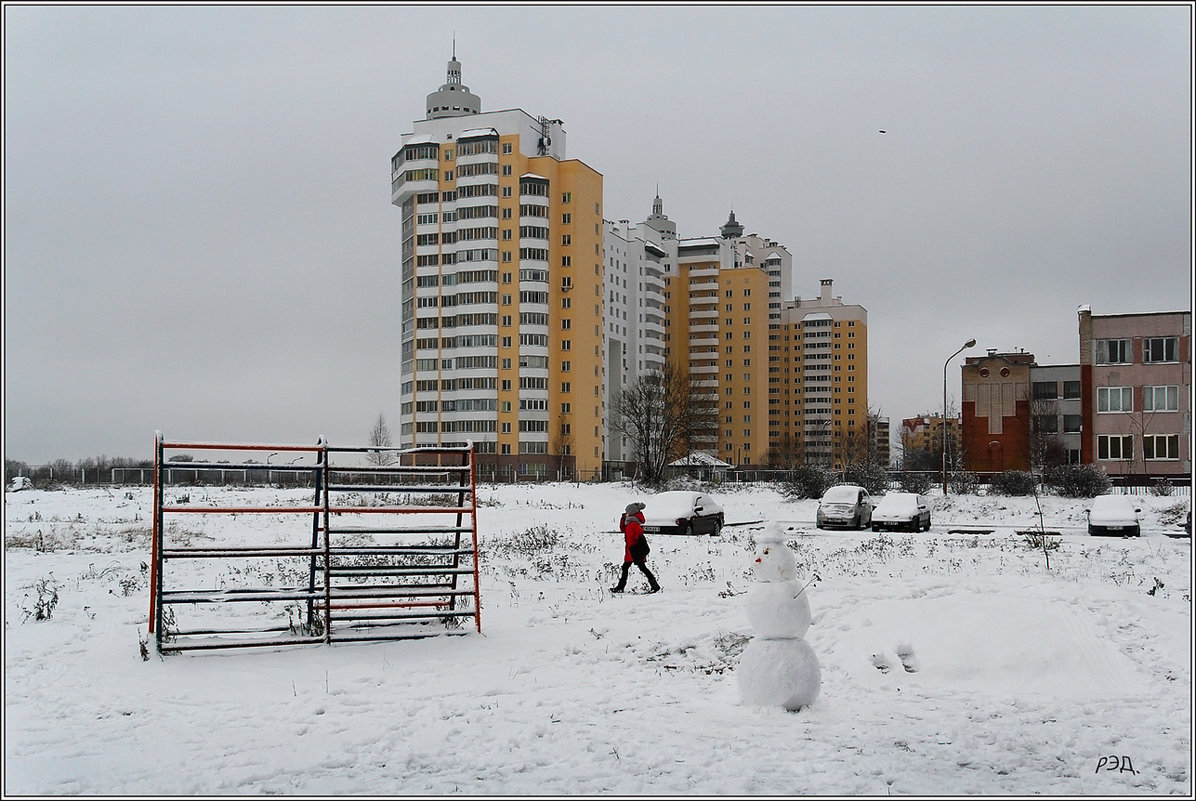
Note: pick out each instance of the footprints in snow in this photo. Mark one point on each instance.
(905, 653)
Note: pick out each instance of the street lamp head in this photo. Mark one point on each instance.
(970, 343)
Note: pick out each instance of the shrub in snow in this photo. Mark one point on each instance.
(1013, 482)
(870, 476)
(808, 482)
(1161, 487)
(914, 481)
(1077, 481)
(963, 482)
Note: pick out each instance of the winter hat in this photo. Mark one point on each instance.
(634, 507)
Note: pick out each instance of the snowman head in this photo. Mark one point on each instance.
(774, 561)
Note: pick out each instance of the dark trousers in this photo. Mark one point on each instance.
(643, 568)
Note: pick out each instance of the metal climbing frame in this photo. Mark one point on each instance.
(391, 551)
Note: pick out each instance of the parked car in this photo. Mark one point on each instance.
(20, 483)
(1114, 516)
(846, 506)
(683, 512)
(899, 510)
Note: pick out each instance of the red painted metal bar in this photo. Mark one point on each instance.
(217, 446)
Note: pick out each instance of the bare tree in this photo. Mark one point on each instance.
(665, 414)
(787, 451)
(380, 438)
(1046, 445)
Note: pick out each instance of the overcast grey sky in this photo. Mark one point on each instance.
(199, 237)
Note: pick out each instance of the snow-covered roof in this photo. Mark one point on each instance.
(703, 242)
(700, 459)
(533, 175)
(476, 132)
(817, 316)
(426, 139)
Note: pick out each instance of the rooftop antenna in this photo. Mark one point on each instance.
(454, 45)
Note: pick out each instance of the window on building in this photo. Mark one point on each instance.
(1071, 390)
(1160, 399)
(1160, 446)
(1113, 351)
(1072, 423)
(1160, 349)
(1046, 423)
(1114, 399)
(1115, 447)
(1046, 390)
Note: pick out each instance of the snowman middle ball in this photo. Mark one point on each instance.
(778, 609)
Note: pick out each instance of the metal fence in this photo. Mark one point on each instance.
(180, 473)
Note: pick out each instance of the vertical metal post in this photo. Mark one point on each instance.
(156, 561)
(461, 489)
(473, 502)
(315, 539)
(327, 480)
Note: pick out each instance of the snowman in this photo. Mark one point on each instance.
(778, 667)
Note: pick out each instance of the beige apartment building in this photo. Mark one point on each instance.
(819, 382)
(501, 288)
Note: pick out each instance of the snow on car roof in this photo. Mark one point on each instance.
(898, 500)
(842, 493)
(668, 506)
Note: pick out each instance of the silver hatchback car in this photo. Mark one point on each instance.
(845, 506)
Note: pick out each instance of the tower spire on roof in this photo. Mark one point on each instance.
(453, 98)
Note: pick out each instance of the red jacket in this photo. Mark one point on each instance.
(632, 527)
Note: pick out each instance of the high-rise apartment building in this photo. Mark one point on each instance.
(502, 288)
(722, 294)
(634, 327)
(818, 382)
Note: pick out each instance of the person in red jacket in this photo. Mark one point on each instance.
(636, 550)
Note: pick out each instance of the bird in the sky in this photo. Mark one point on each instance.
(884, 131)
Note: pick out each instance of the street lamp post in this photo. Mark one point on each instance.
(943, 421)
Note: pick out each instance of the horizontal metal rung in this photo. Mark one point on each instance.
(412, 591)
(401, 510)
(214, 644)
(405, 636)
(236, 596)
(345, 595)
(416, 530)
(257, 467)
(383, 570)
(439, 489)
(397, 619)
(355, 550)
(201, 553)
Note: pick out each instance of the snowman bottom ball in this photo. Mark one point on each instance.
(782, 673)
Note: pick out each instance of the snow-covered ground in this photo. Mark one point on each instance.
(1075, 680)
